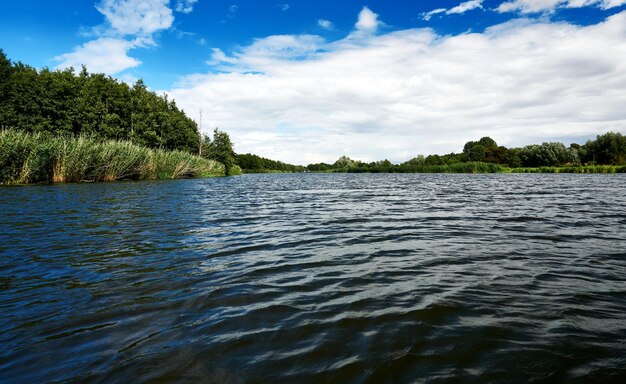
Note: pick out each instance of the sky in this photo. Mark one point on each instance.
(306, 81)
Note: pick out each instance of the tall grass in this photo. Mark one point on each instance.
(574, 169)
(43, 158)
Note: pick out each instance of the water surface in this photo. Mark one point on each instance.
(316, 278)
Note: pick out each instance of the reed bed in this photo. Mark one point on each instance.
(42, 158)
(574, 169)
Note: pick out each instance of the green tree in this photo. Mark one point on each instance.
(6, 69)
(221, 149)
(475, 153)
(513, 159)
(609, 148)
(546, 154)
(486, 149)
(434, 160)
(344, 162)
(63, 102)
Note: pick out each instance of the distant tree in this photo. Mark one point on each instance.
(221, 149)
(344, 162)
(488, 142)
(319, 167)
(609, 148)
(417, 160)
(546, 154)
(486, 149)
(476, 152)
(434, 160)
(497, 155)
(513, 159)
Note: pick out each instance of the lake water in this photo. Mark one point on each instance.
(313, 278)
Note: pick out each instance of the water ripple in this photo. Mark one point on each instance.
(316, 278)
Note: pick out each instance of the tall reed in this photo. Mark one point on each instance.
(573, 169)
(43, 158)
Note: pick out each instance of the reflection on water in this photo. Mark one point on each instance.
(315, 278)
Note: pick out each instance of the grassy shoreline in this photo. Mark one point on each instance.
(470, 168)
(27, 158)
(573, 169)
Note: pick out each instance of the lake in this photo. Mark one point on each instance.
(313, 278)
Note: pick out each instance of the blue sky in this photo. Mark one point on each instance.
(305, 81)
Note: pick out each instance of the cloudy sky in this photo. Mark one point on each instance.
(306, 81)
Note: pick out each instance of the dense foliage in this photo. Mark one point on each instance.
(485, 155)
(220, 149)
(345, 164)
(66, 103)
(256, 164)
(43, 157)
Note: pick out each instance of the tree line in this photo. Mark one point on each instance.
(485, 155)
(257, 164)
(66, 103)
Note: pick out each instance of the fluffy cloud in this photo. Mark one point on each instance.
(368, 21)
(136, 17)
(129, 24)
(185, 6)
(461, 8)
(104, 55)
(534, 6)
(303, 99)
(466, 6)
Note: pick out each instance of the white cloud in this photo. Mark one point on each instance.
(325, 24)
(535, 6)
(284, 7)
(137, 17)
(428, 15)
(129, 24)
(302, 99)
(185, 6)
(606, 4)
(263, 54)
(368, 21)
(104, 55)
(466, 6)
(461, 8)
(219, 57)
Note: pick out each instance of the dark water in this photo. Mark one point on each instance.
(316, 278)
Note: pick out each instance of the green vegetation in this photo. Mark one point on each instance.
(59, 126)
(65, 103)
(386, 166)
(43, 158)
(606, 154)
(221, 150)
(574, 169)
(256, 164)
